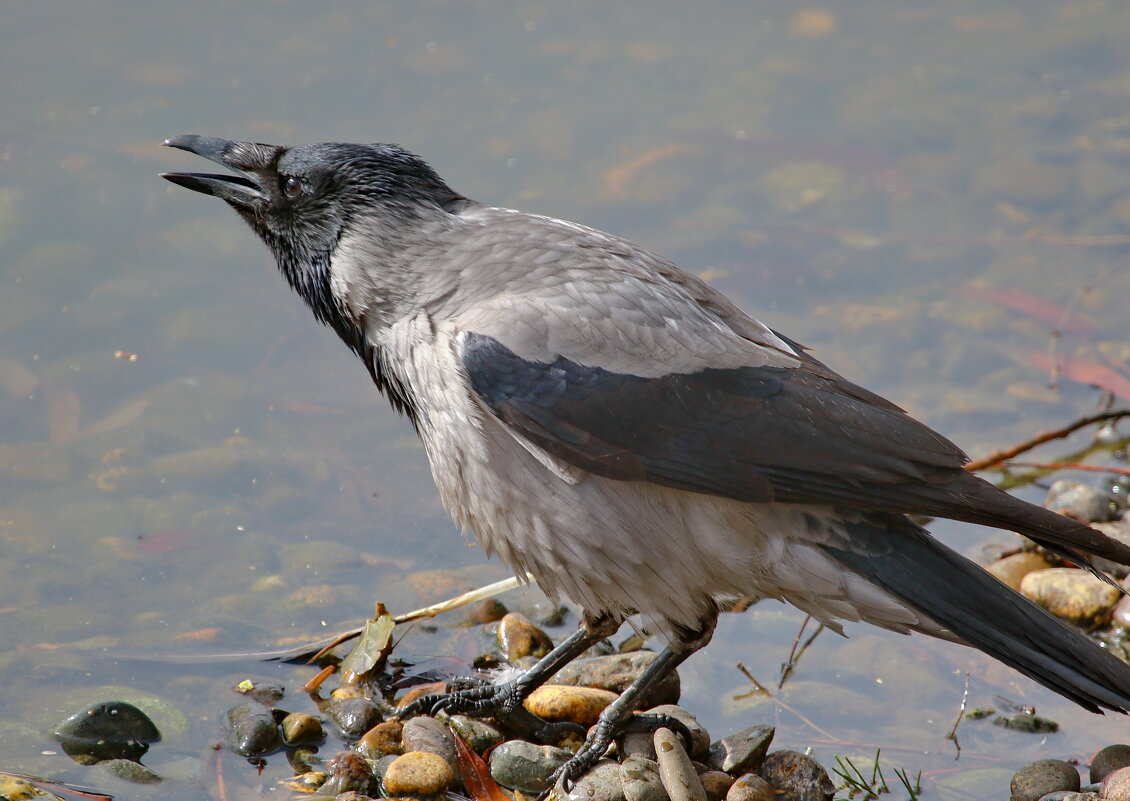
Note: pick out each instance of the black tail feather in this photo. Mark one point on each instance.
(902, 558)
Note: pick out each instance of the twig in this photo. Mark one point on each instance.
(306, 652)
(782, 704)
(1093, 468)
(760, 687)
(996, 457)
(960, 716)
(796, 653)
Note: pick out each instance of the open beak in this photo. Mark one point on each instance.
(243, 190)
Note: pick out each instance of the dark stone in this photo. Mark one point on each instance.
(1035, 780)
(109, 730)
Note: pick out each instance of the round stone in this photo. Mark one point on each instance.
(418, 774)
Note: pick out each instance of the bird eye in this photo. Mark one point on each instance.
(292, 187)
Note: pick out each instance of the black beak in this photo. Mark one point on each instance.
(242, 190)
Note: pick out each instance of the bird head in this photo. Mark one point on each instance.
(311, 204)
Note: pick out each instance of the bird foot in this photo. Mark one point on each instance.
(607, 729)
(503, 702)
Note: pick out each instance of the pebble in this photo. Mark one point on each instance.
(1068, 795)
(1011, 569)
(700, 738)
(305, 783)
(1071, 594)
(265, 692)
(641, 780)
(616, 672)
(796, 777)
(252, 730)
(518, 637)
(354, 716)
(490, 610)
(298, 728)
(716, 783)
(1120, 615)
(742, 752)
(418, 774)
(1108, 760)
(419, 691)
(349, 771)
(380, 767)
(428, 734)
(675, 768)
(1081, 502)
(381, 740)
(559, 702)
(130, 771)
(1037, 779)
(525, 766)
(751, 787)
(1022, 721)
(601, 783)
(1116, 785)
(108, 730)
(479, 735)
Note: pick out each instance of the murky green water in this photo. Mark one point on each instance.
(890, 183)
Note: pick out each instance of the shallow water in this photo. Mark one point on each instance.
(920, 192)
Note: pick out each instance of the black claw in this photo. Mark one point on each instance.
(651, 722)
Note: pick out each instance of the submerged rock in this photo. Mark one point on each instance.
(109, 730)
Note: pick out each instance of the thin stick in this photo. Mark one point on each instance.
(960, 717)
(1093, 468)
(996, 457)
(760, 687)
(482, 593)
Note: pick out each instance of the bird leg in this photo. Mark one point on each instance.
(620, 717)
(484, 699)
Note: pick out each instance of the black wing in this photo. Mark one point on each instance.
(754, 434)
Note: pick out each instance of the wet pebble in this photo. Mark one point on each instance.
(675, 768)
(431, 736)
(479, 735)
(1037, 779)
(700, 738)
(1109, 759)
(796, 777)
(265, 692)
(490, 610)
(252, 730)
(616, 672)
(380, 767)
(742, 752)
(299, 728)
(1082, 502)
(418, 774)
(716, 784)
(129, 771)
(354, 716)
(641, 781)
(519, 637)
(1012, 569)
(1022, 721)
(558, 702)
(525, 766)
(381, 740)
(108, 730)
(1071, 594)
(306, 783)
(1120, 615)
(751, 787)
(602, 783)
(349, 771)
